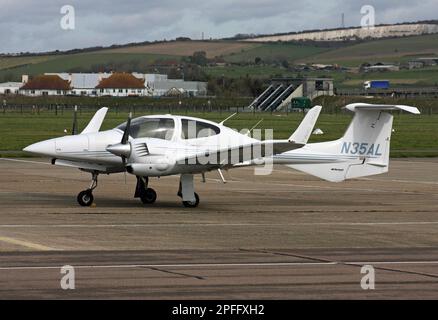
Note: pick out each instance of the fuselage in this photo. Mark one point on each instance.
(167, 139)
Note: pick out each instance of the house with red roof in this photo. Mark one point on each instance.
(46, 85)
(121, 85)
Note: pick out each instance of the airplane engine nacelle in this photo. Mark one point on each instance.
(155, 167)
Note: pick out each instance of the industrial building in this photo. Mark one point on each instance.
(104, 84)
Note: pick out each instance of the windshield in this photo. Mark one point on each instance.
(159, 128)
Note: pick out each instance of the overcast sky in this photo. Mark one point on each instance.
(34, 25)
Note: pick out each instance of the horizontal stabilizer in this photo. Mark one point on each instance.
(378, 107)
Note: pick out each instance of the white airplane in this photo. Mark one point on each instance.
(164, 145)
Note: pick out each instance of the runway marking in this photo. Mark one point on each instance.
(400, 181)
(26, 244)
(141, 225)
(324, 187)
(351, 264)
(223, 265)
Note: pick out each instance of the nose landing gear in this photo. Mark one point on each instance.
(85, 198)
(146, 195)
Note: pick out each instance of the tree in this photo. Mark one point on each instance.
(200, 58)
(258, 60)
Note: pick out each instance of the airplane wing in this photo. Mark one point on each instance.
(87, 166)
(244, 153)
(247, 153)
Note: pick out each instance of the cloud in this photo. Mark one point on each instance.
(34, 25)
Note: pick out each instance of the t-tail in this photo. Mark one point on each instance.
(363, 150)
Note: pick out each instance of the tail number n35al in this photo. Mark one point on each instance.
(363, 149)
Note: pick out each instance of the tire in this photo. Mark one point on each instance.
(192, 204)
(149, 196)
(85, 198)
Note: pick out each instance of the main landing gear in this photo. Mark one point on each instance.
(190, 198)
(146, 195)
(85, 198)
(186, 191)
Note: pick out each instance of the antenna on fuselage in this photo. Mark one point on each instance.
(222, 123)
(255, 126)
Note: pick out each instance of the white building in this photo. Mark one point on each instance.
(121, 85)
(46, 85)
(104, 84)
(160, 85)
(10, 87)
(83, 84)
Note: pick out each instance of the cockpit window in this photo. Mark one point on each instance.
(196, 129)
(159, 128)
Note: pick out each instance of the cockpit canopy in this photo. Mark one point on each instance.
(164, 128)
(159, 128)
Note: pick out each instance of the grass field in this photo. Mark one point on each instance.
(260, 72)
(187, 48)
(415, 136)
(12, 62)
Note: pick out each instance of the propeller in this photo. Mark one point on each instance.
(123, 149)
(74, 130)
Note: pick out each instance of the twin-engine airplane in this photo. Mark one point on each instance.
(164, 145)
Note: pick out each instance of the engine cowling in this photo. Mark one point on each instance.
(154, 166)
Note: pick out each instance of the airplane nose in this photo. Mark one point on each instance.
(42, 148)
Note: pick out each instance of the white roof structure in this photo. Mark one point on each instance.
(11, 84)
(155, 84)
(82, 80)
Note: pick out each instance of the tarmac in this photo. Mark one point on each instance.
(281, 236)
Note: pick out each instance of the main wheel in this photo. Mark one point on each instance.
(85, 198)
(149, 196)
(192, 204)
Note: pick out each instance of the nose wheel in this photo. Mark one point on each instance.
(145, 194)
(148, 196)
(85, 198)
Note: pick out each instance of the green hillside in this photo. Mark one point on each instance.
(272, 55)
(84, 62)
(275, 52)
(392, 50)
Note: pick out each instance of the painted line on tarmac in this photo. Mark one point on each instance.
(26, 244)
(325, 187)
(223, 265)
(154, 225)
(401, 181)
